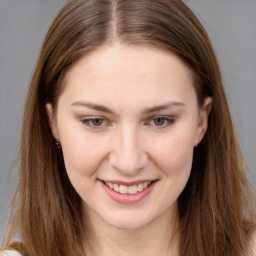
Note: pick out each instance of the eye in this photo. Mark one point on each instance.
(161, 121)
(97, 122)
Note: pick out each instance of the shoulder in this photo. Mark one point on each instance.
(9, 253)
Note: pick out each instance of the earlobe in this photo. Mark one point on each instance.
(203, 120)
(52, 121)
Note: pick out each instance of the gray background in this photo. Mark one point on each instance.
(231, 25)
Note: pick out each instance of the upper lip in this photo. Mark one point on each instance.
(136, 182)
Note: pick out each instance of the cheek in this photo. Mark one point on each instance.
(175, 154)
(175, 158)
(82, 154)
(82, 157)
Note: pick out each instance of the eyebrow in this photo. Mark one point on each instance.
(163, 107)
(145, 111)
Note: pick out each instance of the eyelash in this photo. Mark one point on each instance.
(89, 122)
(168, 120)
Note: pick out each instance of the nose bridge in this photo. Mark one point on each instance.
(128, 155)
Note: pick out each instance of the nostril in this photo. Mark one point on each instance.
(128, 163)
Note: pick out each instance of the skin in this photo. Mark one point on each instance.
(130, 144)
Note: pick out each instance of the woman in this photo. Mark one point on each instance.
(127, 144)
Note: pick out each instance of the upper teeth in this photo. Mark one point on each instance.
(128, 189)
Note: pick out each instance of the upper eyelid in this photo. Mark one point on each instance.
(88, 118)
(148, 118)
(161, 116)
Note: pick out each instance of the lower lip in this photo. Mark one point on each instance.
(127, 198)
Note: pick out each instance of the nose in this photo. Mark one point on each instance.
(128, 154)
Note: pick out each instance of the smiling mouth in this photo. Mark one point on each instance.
(128, 190)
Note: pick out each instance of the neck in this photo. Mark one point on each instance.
(160, 237)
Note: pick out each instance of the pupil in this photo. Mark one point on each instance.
(97, 122)
(159, 121)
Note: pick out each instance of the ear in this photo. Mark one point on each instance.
(203, 120)
(52, 121)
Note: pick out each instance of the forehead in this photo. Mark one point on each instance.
(119, 70)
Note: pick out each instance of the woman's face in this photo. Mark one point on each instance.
(128, 121)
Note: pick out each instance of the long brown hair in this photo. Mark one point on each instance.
(216, 208)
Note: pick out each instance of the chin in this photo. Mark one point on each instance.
(129, 221)
(128, 225)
